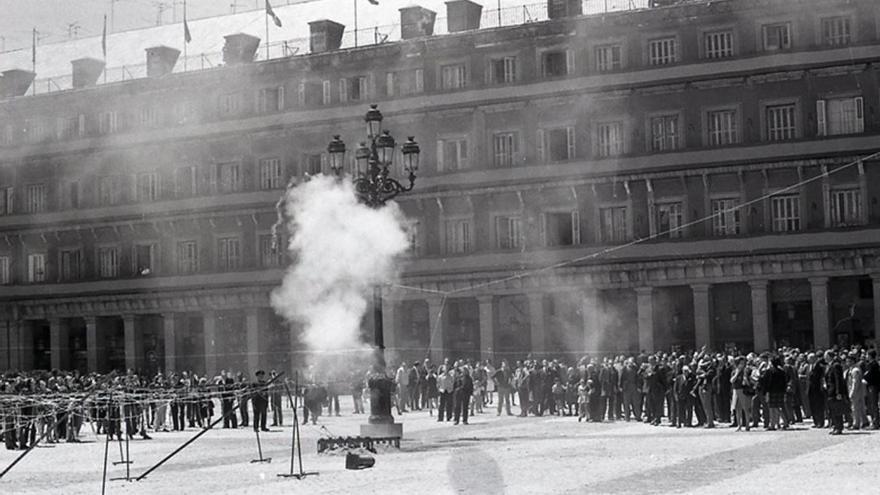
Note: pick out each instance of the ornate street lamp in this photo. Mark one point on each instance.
(374, 186)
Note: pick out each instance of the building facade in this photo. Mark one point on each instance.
(704, 173)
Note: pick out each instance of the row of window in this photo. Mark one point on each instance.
(144, 260)
(503, 69)
(667, 220)
(558, 228)
(781, 121)
(144, 187)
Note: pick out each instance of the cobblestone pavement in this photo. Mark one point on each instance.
(492, 455)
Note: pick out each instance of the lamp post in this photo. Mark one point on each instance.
(374, 187)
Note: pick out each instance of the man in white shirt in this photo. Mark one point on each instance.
(402, 379)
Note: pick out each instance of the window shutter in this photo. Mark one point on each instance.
(821, 126)
(462, 150)
(371, 87)
(575, 227)
(440, 155)
(543, 229)
(540, 144)
(343, 90)
(569, 131)
(569, 61)
(860, 113)
(324, 165)
(280, 98)
(420, 80)
(389, 84)
(514, 148)
(81, 125)
(326, 92)
(301, 93)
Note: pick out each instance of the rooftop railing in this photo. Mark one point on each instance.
(362, 37)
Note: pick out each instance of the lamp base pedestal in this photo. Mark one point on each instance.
(382, 430)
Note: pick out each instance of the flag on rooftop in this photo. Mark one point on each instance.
(271, 13)
(104, 38)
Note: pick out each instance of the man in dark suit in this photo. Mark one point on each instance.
(835, 388)
(462, 389)
(872, 378)
(815, 391)
(628, 382)
(260, 401)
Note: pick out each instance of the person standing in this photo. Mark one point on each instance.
(227, 399)
(629, 384)
(816, 391)
(402, 379)
(462, 388)
(357, 390)
(835, 388)
(742, 395)
(275, 398)
(445, 383)
(792, 392)
(776, 386)
(414, 387)
(425, 392)
(243, 398)
(872, 379)
(855, 387)
(705, 384)
(521, 380)
(502, 379)
(260, 401)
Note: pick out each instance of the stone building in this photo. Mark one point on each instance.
(701, 173)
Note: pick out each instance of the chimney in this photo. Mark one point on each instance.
(240, 48)
(558, 9)
(86, 71)
(161, 60)
(416, 22)
(462, 15)
(15, 82)
(325, 36)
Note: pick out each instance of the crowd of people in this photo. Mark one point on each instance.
(836, 389)
(54, 406)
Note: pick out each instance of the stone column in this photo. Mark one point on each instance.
(537, 328)
(760, 314)
(875, 278)
(209, 330)
(821, 317)
(92, 347)
(131, 354)
(438, 340)
(10, 343)
(645, 304)
(5, 347)
(252, 324)
(590, 312)
(169, 338)
(702, 316)
(59, 343)
(26, 345)
(389, 329)
(487, 327)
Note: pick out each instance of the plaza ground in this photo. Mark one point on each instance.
(492, 455)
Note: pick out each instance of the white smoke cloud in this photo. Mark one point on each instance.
(341, 249)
